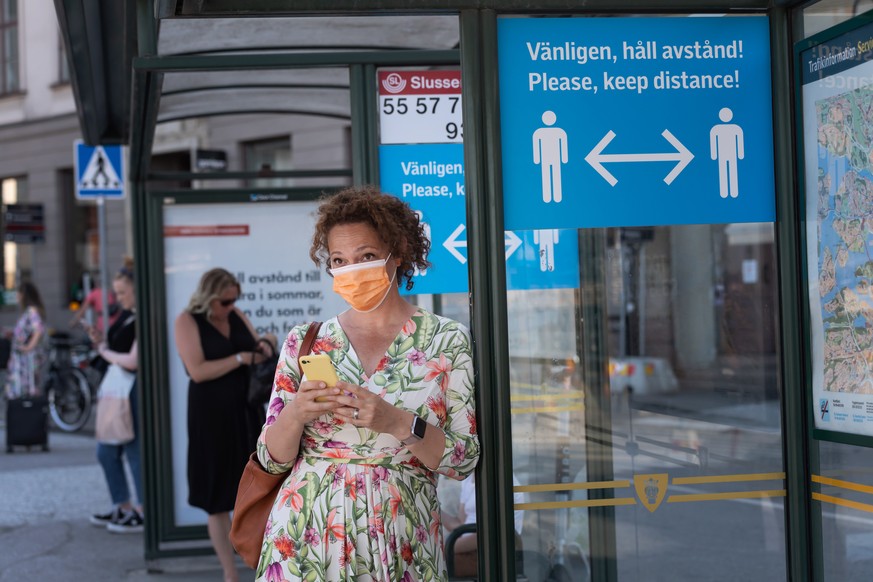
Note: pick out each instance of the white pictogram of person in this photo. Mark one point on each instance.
(426, 227)
(550, 151)
(726, 146)
(547, 238)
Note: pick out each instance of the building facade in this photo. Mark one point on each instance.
(38, 126)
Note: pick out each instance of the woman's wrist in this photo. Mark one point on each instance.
(403, 425)
(288, 420)
(286, 429)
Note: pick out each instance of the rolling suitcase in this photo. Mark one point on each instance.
(5, 352)
(27, 422)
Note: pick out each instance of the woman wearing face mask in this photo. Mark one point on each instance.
(359, 500)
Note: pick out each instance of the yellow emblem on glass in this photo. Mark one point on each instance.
(651, 489)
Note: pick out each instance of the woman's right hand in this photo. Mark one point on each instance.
(93, 333)
(283, 437)
(306, 408)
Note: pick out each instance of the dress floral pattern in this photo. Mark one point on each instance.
(356, 504)
(26, 370)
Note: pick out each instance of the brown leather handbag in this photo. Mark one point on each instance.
(258, 490)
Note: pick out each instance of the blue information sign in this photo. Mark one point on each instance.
(99, 171)
(635, 121)
(547, 259)
(430, 178)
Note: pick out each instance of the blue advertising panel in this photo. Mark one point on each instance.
(635, 121)
(99, 171)
(430, 178)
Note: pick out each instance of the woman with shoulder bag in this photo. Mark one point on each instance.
(119, 350)
(217, 344)
(359, 498)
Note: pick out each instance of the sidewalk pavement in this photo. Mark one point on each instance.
(45, 502)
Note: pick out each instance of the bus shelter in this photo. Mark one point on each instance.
(618, 196)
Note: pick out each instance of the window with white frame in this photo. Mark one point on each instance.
(266, 156)
(16, 259)
(63, 62)
(9, 74)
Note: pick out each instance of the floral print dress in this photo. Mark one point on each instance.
(25, 373)
(356, 504)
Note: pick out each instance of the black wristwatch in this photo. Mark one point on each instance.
(417, 430)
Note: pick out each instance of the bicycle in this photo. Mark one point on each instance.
(71, 393)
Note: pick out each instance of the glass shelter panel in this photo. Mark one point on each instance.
(645, 397)
(834, 94)
(846, 490)
(683, 452)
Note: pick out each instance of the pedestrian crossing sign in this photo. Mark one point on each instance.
(99, 171)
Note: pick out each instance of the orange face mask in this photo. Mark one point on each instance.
(364, 286)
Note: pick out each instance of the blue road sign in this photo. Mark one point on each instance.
(430, 178)
(635, 121)
(99, 171)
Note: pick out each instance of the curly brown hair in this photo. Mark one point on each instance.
(396, 223)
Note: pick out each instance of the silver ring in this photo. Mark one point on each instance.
(355, 414)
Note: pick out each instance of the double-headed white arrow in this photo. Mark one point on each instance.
(597, 159)
(452, 244)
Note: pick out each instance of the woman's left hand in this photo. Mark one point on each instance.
(94, 334)
(261, 352)
(372, 411)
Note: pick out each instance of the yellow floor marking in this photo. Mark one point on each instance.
(720, 496)
(842, 484)
(579, 503)
(726, 478)
(570, 486)
(844, 502)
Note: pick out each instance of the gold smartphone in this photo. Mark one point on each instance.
(319, 367)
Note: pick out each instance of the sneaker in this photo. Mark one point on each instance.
(104, 519)
(130, 522)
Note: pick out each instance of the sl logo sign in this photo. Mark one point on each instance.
(651, 489)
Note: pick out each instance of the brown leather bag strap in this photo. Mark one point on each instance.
(308, 340)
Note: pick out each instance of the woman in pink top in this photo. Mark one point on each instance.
(94, 300)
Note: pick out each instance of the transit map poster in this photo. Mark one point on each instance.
(837, 99)
(266, 246)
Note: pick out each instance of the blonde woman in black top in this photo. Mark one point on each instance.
(217, 342)
(119, 348)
